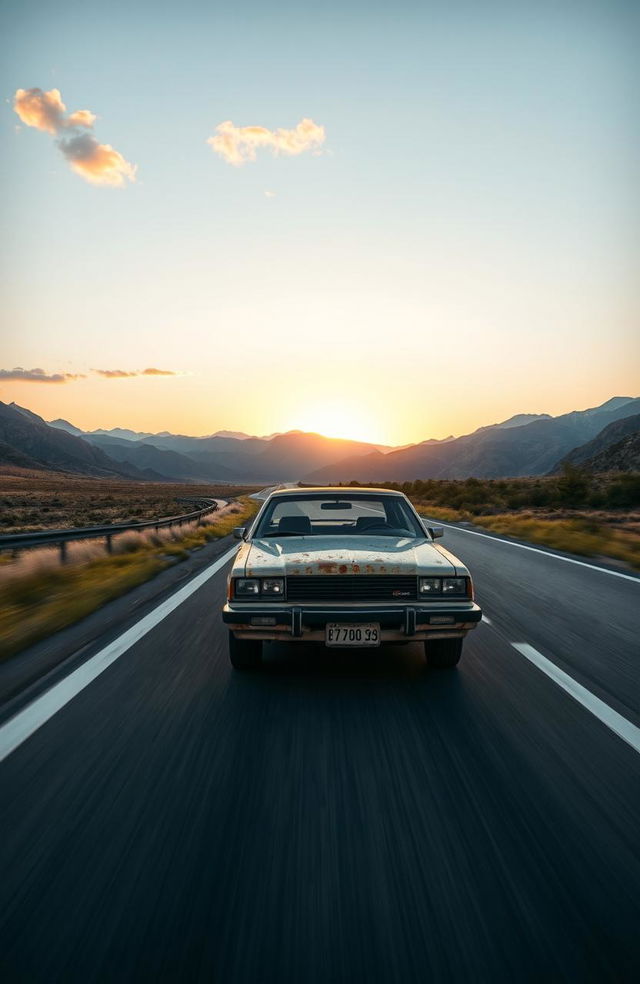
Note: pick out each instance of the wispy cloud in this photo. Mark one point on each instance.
(114, 373)
(126, 374)
(41, 376)
(37, 376)
(238, 144)
(96, 162)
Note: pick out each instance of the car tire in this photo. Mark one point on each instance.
(245, 654)
(443, 654)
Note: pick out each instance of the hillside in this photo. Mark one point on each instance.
(171, 464)
(624, 456)
(531, 449)
(11, 457)
(28, 436)
(597, 449)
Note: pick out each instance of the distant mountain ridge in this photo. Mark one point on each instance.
(220, 457)
(130, 435)
(173, 464)
(518, 420)
(524, 444)
(491, 452)
(26, 436)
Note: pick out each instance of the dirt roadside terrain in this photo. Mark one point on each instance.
(31, 501)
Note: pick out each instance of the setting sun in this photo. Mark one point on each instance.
(341, 420)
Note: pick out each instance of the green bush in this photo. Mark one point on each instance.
(573, 486)
(624, 492)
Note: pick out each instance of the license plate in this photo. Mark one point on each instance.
(352, 634)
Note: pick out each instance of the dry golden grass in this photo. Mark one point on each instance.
(42, 596)
(439, 512)
(589, 534)
(579, 536)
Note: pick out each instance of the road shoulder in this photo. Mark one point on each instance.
(25, 675)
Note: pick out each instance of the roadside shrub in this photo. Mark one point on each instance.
(573, 489)
(129, 542)
(573, 485)
(624, 492)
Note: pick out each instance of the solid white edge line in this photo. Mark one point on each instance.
(523, 546)
(610, 718)
(20, 727)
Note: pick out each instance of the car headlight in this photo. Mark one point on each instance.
(247, 587)
(430, 585)
(454, 586)
(444, 586)
(259, 587)
(273, 587)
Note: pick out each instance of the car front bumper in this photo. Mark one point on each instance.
(306, 623)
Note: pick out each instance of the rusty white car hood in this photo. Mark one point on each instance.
(300, 555)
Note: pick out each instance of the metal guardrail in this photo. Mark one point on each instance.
(60, 538)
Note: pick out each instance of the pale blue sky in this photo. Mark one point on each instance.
(465, 246)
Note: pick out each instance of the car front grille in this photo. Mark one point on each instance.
(352, 587)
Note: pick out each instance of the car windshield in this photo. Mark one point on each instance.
(343, 514)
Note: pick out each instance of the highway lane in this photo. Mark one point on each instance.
(342, 816)
(584, 619)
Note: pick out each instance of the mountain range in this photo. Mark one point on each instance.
(27, 441)
(507, 449)
(525, 444)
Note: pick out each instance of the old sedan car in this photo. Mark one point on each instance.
(346, 567)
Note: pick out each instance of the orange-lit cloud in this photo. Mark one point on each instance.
(42, 110)
(125, 374)
(238, 144)
(37, 376)
(96, 162)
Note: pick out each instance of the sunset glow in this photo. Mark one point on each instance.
(396, 230)
(339, 420)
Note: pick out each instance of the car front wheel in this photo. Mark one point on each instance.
(245, 654)
(443, 653)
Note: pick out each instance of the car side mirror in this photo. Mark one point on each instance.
(239, 532)
(436, 531)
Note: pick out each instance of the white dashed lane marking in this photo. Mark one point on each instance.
(610, 718)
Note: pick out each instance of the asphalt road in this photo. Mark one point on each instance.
(341, 816)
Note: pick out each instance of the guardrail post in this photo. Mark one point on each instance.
(109, 544)
(63, 551)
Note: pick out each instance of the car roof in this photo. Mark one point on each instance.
(334, 490)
